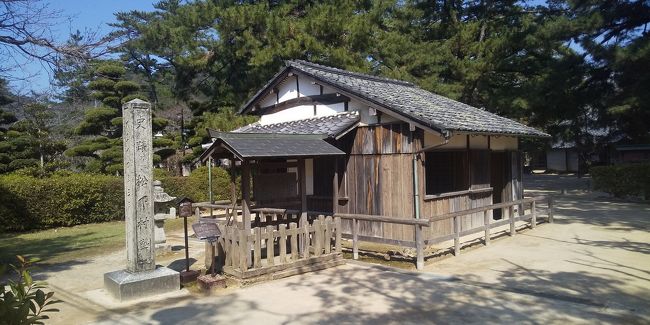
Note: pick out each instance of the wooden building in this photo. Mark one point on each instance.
(385, 147)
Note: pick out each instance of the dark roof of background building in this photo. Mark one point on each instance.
(264, 145)
(407, 100)
(332, 125)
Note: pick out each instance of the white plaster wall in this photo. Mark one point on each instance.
(503, 143)
(287, 89)
(306, 87)
(387, 118)
(289, 114)
(326, 110)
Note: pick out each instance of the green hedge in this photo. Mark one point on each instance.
(622, 180)
(195, 186)
(28, 202)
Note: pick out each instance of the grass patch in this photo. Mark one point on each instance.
(70, 243)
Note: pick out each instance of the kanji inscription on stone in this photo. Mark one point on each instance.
(138, 187)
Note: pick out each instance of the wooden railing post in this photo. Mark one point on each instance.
(511, 211)
(293, 230)
(282, 241)
(270, 253)
(419, 248)
(533, 218)
(244, 252)
(318, 241)
(355, 239)
(337, 225)
(486, 223)
(305, 241)
(550, 209)
(456, 235)
(258, 248)
(328, 234)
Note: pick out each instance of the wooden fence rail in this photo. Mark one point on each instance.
(277, 248)
(456, 216)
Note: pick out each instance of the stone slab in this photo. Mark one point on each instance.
(123, 285)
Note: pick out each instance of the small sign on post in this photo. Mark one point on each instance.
(209, 232)
(185, 211)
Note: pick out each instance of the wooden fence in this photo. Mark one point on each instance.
(276, 248)
(419, 242)
(307, 243)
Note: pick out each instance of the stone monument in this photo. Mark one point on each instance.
(141, 277)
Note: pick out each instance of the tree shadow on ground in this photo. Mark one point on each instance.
(373, 295)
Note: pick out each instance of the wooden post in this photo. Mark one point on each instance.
(456, 235)
(293, 231)
(550, 209)
(335, 187)
(419, 247)
(321, 218)
(302, 187)
(337, 225)
(328, 235)
(244, 251)
(305, 229)
(258, 248)
(283, 243)
(318, 237)
(511, 211)
(234, 248)
(486, 222)
(270, 252)
(245, 205)
(233, 192)
(355, 239)
(533, 218)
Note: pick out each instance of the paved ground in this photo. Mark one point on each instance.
(591, 266)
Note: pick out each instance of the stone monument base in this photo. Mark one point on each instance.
(124, 285)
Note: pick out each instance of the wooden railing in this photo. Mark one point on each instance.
(277, 249)
(487, 224)
(418, 224)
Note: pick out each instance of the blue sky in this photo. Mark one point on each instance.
(83, 14)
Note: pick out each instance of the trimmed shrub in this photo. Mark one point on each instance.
(65, 199)
(35, 203)
(195, 186)
(622, 180)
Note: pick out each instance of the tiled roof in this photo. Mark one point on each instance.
(407, 100)
(260, 145)
(331, 126)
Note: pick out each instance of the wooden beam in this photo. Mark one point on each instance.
(246, 209)
(302, 188)
(335, 187)
(325, 99)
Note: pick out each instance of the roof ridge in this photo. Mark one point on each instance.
(350, 73)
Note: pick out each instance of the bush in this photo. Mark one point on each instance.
(28, 202)
(622, 180)
(195, 186)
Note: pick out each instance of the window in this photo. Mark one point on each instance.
(479, 161)
(446, 171)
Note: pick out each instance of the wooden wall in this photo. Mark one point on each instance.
(377, 178)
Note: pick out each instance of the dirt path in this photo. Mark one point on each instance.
(592, 265)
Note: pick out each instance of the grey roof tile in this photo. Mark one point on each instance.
(406, 99)
(331, 126)
(259, 145)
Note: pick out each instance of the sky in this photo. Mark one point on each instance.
(83, 14)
